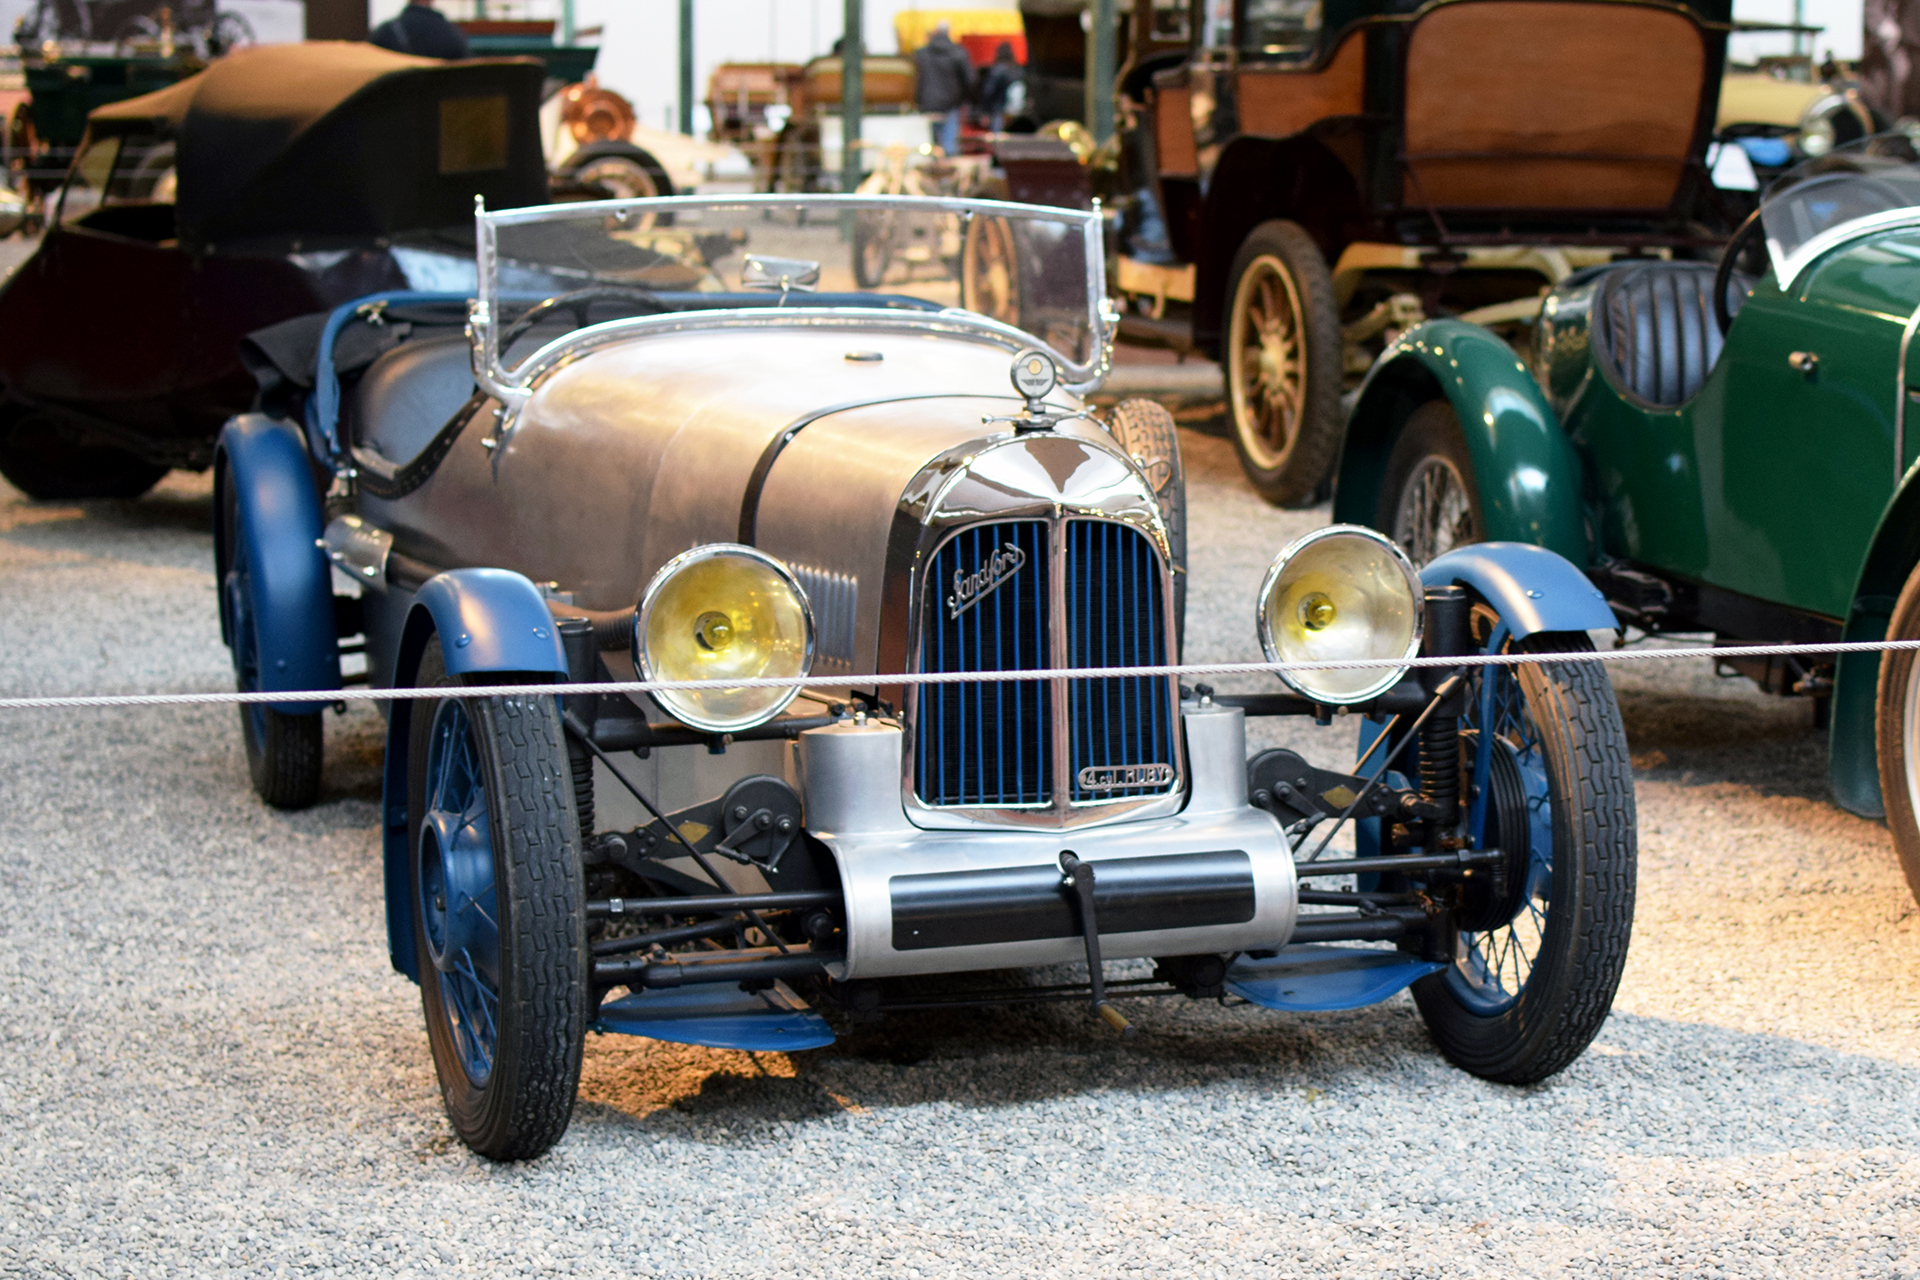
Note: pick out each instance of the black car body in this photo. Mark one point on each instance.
(280, 180)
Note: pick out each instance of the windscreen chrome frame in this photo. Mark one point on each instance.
(512, 387)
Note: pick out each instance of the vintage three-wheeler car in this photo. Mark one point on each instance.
(1758, 485)
(279, 180)
(1303, 181)
(676, 442)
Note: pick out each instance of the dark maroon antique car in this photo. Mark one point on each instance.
(280, 181)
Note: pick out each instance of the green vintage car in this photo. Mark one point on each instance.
(1723, 453)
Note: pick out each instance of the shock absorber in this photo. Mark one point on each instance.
(583, 654)
(1447, 634)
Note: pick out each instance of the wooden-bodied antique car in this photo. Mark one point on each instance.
(1304, 180)
(675, 441)
(1722, 454)
(280, 180)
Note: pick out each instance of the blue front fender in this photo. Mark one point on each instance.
(491, 622)
(1534, 589)
(264, 460)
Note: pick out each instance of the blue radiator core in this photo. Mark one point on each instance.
(1121, 741)
(986, 609)
(989, 607)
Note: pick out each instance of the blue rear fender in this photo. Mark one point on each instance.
(263, 462)
(491, 623)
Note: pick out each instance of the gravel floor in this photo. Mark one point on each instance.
(207, 1068)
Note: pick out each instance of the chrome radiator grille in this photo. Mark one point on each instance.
(1121, 740)
(992, 604)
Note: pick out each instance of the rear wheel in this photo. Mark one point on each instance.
(623, 177)
(872, 247)
(1283, 358)
(284, 751)
(1897, 730)
(41, 457)
(1537, 962)
(499, 913)
(1429, 504)
(990, 270)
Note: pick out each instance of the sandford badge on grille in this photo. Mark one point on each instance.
(1120, 777)
(969, 589)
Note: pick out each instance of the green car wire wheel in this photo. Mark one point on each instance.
(499, 906)
(1535, 967)
(1429, 503)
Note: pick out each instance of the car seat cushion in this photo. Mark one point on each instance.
(1654, 332)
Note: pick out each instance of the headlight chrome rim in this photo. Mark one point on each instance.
(1301, 683)
(681, 704)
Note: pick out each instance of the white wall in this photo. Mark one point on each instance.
(274, 21)
(640, 51)
(1841, 18)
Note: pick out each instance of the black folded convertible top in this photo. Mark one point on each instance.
(335, 139)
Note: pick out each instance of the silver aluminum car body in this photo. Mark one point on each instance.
(850, 445)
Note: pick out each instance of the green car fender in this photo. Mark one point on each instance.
(1527, 473)
(1852, 753)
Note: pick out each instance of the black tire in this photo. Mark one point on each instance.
(1146, 432)
(1429, 501)
(1498, 1012)
(285, 751)
(285, 755)
(41, 458)
(1897, 733)
(623, 175)
(1281, 348)
(523, 790)
(872, 247)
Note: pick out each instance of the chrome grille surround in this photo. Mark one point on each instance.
(1058, 483)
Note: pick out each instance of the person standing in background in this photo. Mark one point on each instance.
(422, 31)
(997, 86)
(943, 83)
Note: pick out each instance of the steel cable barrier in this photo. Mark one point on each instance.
(75, 701)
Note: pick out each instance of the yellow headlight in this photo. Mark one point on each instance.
(723, 611)
(1340, 592)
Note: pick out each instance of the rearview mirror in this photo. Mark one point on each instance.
(762, 272)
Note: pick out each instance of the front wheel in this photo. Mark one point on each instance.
(1897, 732)
(499, 913)
(1429, 504)
(1283, 358)
(1539, 957)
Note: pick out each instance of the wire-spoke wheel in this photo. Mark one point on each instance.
(499, 913)
(1541, 947)
(1283, 352)
(1429, 504)
(990, 270)
(1897, 730)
